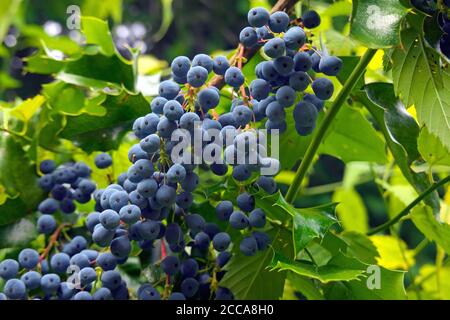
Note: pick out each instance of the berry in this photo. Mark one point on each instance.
(60, 262)
(245, 202)
(294, 38)
(180, 66)
(323, 88)
(170, 265)
(15, 289)
(234, 77)
(208, 99)
(278, 21)
(274, 48)
(169, 89)
(204, 61)
(220, 65)
(8, 269)
(239, 220)
(330, 65)
(111, 279)
(197, 76)
(248, 37)
(103, 161)
(257, 218)
(221, 241)
(47, 166)
(46, 224)
(28, 258)
(148, 292)
(258, 17)
(31, 279)
(311, 19)
(224, 210)
(248, 246)
(189, 287)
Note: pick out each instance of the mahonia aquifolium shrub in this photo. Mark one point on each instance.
(431, 7)
(150, 204)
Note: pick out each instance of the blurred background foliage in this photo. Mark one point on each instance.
(59, 111)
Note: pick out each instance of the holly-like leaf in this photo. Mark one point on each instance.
(432, 150)
(249, 278)
(19, 179)
(421, 81)
(311, 223)
(358, 142)
(400, 131)
(376, 23)
(93, 132)
(434, 230)
(97, 32)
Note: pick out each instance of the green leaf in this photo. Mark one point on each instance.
(421, 81)
(310, 224)
(8, 9)
(434, 230)
(400, 131)
(19, 178)
(274, 205)
(103, 9)
(98, 72)
(432, 150)
(166, 21)
(393, 252)
(360, 247)
(358, 142)
(64, 98)
(391, 287)
(249, 278)
(351, 210)
(376, 23)
(305, 286)
(339, 268)
(92, 132)
(18, 234)
(97, 32)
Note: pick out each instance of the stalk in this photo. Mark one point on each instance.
(322, 130)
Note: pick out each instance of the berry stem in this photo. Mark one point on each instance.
(406, 211)
(323, 128)
(52, 241)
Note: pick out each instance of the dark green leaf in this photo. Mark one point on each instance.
(376, 23)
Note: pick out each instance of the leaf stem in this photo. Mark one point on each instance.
(406, 211)
(321, 131)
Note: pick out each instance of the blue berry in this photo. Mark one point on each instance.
(189, 287)
(197, 76)
(262, 240)
(278, 21)
(148, 292)
(8, 269)
(248, 246)
(311, 19)
(50, 283)
(220, 65)
(221, 241)
(284, 65)
(169, 89)
(248, 37)
(294, 38)
(239, 220)
(107, 261)
(60, 262)
(157, 105)
(87, 275)
(204, 61)
(330, 65)
(257, 218)
(208, 99)
(260, 89)
(111, 279)
(258, 17)
(189, 268)
(246, 202)
(274, 48)
(302, 62)
(47, 166)
(286, 96)
(31, 279)
(102, 294)
(48, 206)
(234, 77)
(173, 110)
(46, 224)
(109, 219)
(268, 184)
(170, 265)
(223, 258)
(15, 289)
(323, 88)
(121, 247)
(82, 295)
(224, 210)
(28, 258)
(180, 66)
